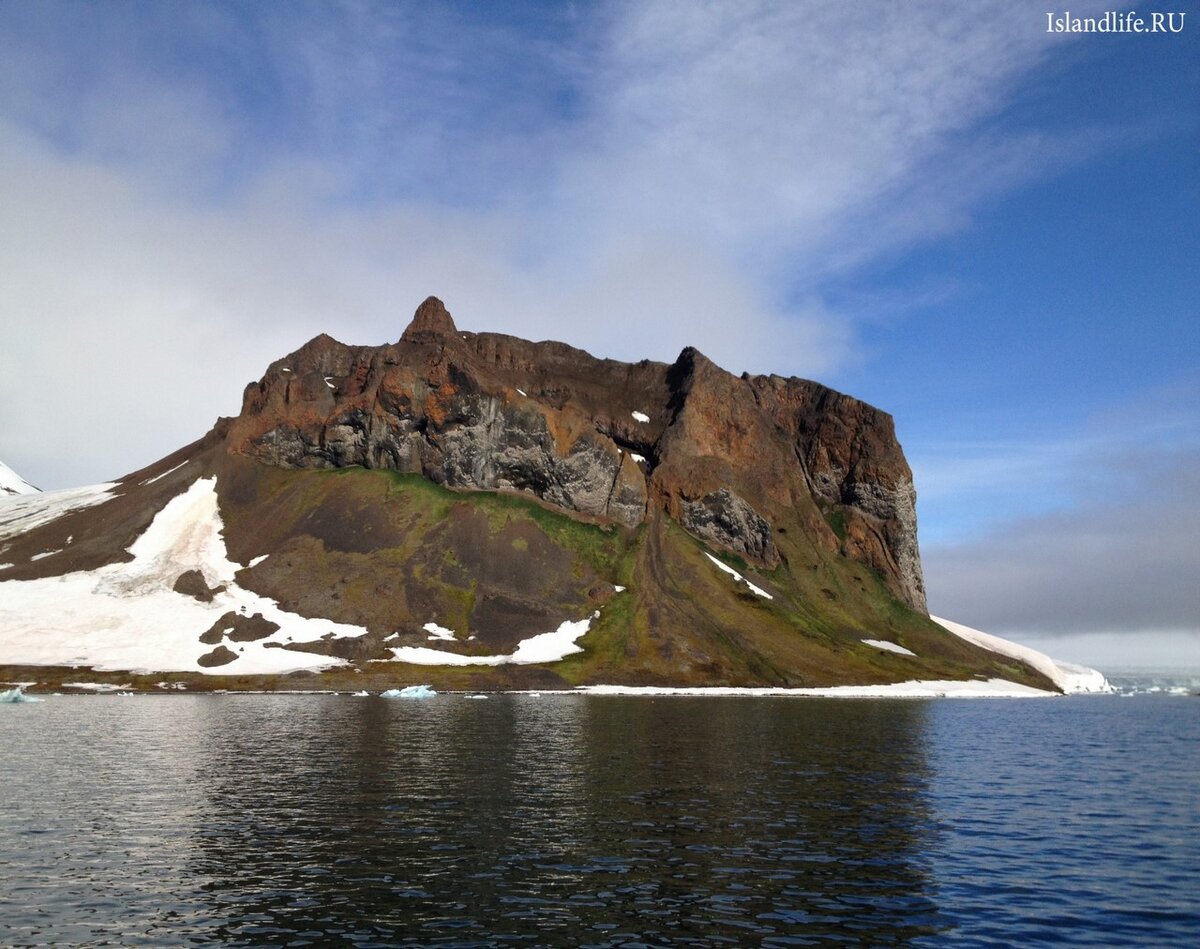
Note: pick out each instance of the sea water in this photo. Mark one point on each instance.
(599, 821)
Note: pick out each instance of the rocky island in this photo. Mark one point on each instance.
(477, 511)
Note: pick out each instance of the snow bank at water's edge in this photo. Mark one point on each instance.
(1066, 675)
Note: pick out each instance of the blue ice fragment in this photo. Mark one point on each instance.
(411, 692)
(16, 695)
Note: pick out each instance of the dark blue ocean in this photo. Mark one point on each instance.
(600, 821)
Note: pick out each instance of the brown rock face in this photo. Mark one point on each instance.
(430, 323)
(734, 461)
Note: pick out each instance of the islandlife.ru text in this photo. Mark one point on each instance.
(1113, 22)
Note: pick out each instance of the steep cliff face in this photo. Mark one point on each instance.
(478, 511)
(734, 461)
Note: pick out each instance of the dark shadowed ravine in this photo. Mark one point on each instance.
(599, 821)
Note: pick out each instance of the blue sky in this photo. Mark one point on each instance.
(987, 230)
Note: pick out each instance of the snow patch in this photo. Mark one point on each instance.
(918, 688)
(544, 647)
(44, 554)
(618, 589)
(164, 474)
(889, 647)
(329, 383)
(636, 457)
(97, 686)
(127, 616)
(640, 416)
(439, 632)
(522, 391)
(257, 560)
(284, 369)
(1067, 676)
(737, 576)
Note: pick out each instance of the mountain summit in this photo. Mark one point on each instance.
(477, 509)
(12, 483)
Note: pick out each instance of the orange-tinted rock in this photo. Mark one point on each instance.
(733, 460)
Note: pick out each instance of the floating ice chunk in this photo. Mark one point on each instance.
(477, 696)
(640, 416)
(409, 692)
(737, 576)
(362, 694)
(888, 647)
(438, 632)
(16, 696)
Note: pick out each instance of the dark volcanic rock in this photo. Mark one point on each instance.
(221, 656)
(192, 583)
(724, 519)
(238, 628)
(731, 459)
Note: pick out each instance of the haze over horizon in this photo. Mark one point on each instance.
(987, 230)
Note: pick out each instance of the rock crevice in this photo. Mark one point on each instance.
(730, 459)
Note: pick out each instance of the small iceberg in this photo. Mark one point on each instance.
(15, 696)
(409, 692)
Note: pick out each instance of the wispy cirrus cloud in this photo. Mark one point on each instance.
(213, 183)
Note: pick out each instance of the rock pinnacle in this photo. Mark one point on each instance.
(432, 320)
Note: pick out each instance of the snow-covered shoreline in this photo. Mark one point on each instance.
(1068, 676)
(99, 618)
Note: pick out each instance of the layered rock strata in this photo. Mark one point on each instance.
(735, 461)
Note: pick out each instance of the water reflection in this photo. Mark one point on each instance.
(564, 819)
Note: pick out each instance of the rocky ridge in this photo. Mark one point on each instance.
(476, 511)
(733, 460)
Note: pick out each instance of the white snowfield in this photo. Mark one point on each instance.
(126, 616)
(1066, 675)
(12, 483)
(544, 647)
(20, 513)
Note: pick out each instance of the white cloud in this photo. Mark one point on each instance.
(1122, 557)
(172, 224)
